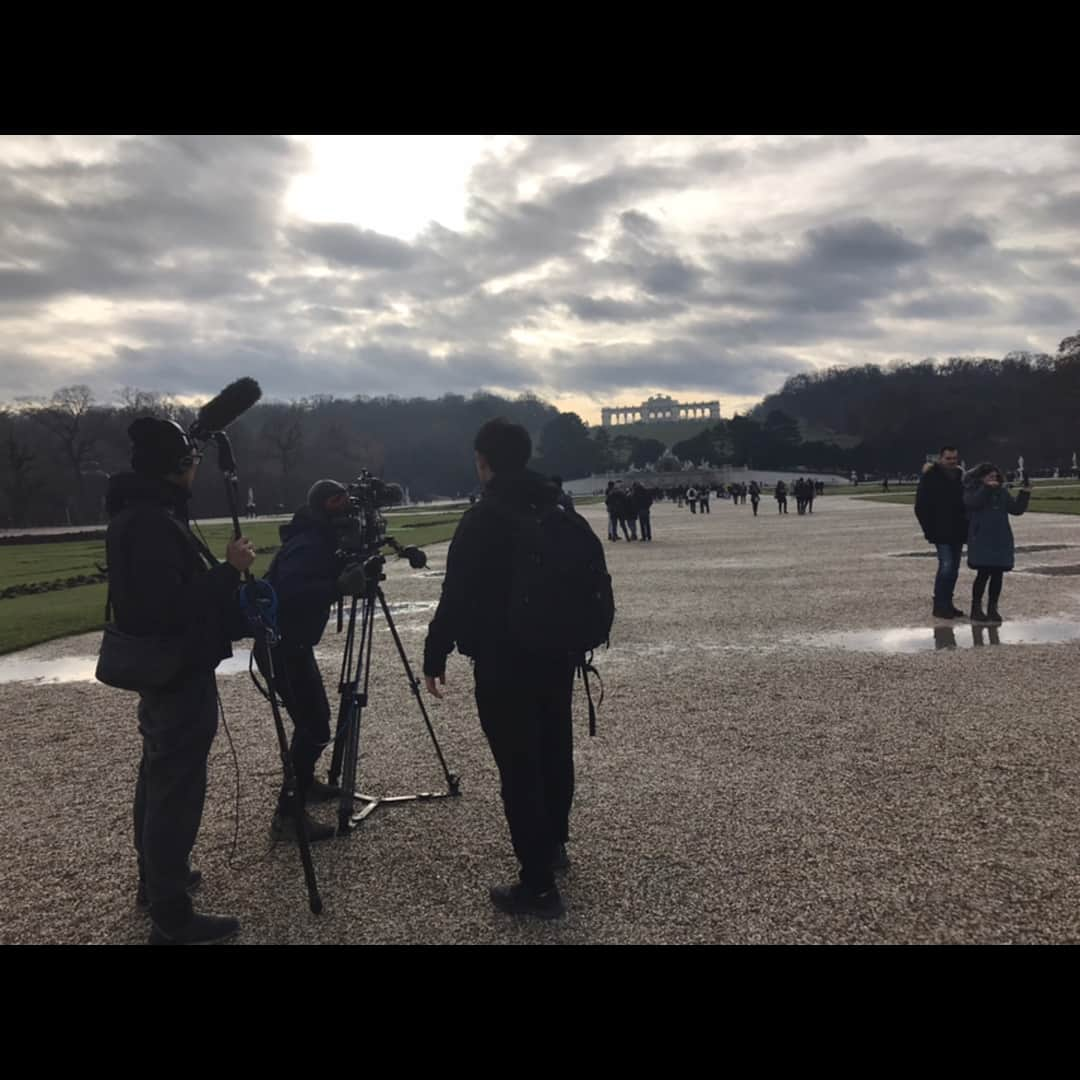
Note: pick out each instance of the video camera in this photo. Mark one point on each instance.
(362, 528)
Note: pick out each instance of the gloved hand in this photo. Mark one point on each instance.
(352, 581)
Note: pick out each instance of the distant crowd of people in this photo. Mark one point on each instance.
(629, 508)
(629, 505)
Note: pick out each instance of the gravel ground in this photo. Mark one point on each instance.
(746, 783)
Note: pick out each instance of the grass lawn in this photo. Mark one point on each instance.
(1041, 503)
(28, 620)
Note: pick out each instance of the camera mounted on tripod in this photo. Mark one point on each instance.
(361, 527)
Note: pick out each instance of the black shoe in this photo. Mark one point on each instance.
(958, 613)
(943, 613)
(994, 616)
(977, 614)
(519, 900)
(198, 930)
(283, 827)
(318, 792)
(561, 860)
(142, 896)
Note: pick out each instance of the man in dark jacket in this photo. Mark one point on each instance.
(939, 506)
(613, 503)
(642, 503)
(308, 577)
(164, 583)
(523, 699)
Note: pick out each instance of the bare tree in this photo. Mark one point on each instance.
(17, 470)
(136, 402)
(70, 418)
(283, 435)
(1069, 349)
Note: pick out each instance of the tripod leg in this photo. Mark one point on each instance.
(293, 797)
(452, 781)
(346, 666)
(353, 702)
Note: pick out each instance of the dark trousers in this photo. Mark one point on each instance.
(612, 526)
(525, 708)
(947, 572)
(705, 506)
(693, 505)
(781, 505)
(995, 578)
(754, 503)
(300, 687)
(645, 521)
(178, 726)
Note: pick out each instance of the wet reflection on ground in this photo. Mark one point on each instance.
(960, 635)
(81, 668)
(19, 668)
(1023, 549)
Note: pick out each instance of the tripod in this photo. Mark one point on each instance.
(260, 605)
(356, 673)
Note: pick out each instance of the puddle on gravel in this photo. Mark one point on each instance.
(961, 635)
(930, 553)
(18, 668)
(81, 668)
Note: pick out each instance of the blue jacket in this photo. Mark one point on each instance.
(304, 574)
(990, 538)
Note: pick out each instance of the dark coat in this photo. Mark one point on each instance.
(990, 538)
(304, 574)
(162, 582)
(641, 499)
(473, 611)
(616, 501)
(939, 505)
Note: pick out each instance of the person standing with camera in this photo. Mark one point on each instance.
(308, 578)
(165, 586)
(990, 544)
(524, 697)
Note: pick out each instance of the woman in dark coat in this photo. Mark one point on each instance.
(990, 542)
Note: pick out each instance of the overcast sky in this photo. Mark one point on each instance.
(591, 270)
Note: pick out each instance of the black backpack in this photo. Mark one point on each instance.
(561, 598)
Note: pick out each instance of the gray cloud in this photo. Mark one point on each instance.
(349, 246)
(835, 248)
(679, 364)
(947, 304)
(1047, 308)
(605, 309)
(961, 240)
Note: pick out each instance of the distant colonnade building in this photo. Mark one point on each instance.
(659, 408)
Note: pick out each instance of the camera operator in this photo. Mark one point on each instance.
(163, 583)
(308, 577)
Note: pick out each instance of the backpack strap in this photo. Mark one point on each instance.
(584, 666)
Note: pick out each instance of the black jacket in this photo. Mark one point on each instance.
(304, 575)
(160, 580)
(939, 505)
(473, 609)
(642, 499)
